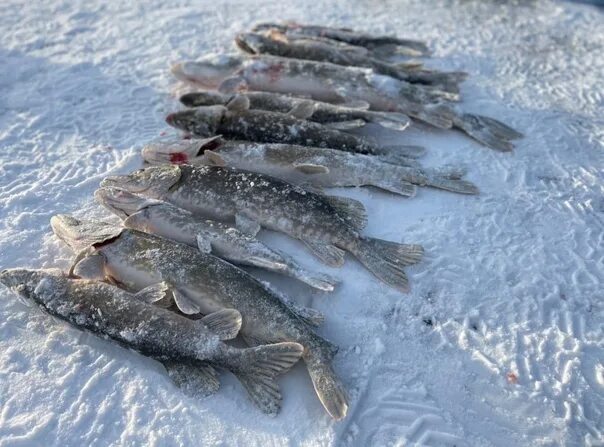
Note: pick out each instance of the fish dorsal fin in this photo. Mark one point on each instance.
(214, 158)
(153, 293)
(351, 210)
(311, 168)
(302, 109)
(246, 225)
(239, 103)
(234, 84)
(184, 303)
(225, 323)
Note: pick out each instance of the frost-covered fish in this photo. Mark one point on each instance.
(189, 349)
(210, 236)
(278, 44)
(347, 35)
(338, 116)
(237, 121)
(335, 83)
(202, 283)
(327, 225)
(307, 165)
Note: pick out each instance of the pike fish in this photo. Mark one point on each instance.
(303, 165)
(189, 349)
(335, 83)
(338, 116)
(327, 225)
(210, 236)
(277, 44)
(237, 121)
(202, 283)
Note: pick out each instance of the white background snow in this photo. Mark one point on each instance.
(499, 343)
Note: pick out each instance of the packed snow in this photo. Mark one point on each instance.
(500, 341)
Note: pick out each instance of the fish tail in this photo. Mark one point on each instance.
(386, 259)
(327, 385)
(488, 131)
(438, 116)
(452, 184)
(396, 185)
(256, 369)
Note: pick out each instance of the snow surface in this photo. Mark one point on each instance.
(500, 342)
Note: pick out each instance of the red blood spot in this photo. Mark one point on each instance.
(274, 71)
(512, 378)
(178, 158)
(162, 133)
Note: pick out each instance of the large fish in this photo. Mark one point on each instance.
(349, 36)
(210, 236)
(304, 165)
(190, 349)
(202, 283)
(327, 225)
(338, 116)
(237, 121)
(278, 44)
(335, 83)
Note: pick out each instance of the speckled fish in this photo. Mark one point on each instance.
(278, 44)
(210, 236)
(327, 225)
(202, 283)
(338, 116)
(237, 121)
(335, 83)
(347, 35)
(190, 349)
(307, 165)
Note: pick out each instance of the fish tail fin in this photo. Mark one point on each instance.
(488, 131)
(256, 369)
(450, 172)
(396, 186)
(386, 259)
(452, 184)
(328, 386)
(391, 120)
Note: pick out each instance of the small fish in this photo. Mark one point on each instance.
(210, 236)
(338, 116)
(336, 83)
(189, 349)
(202, 283)
(237, 121)
(277, 44)
(349, 36)
(327, 225)
(303, 165)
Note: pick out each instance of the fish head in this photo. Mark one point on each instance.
(180, 151)
(201, 121)
(252, 43)
(34, 286)
(153, 182)
(209, 71)
(80, 234)
(269, 26)
(122, 203)
(196, 99)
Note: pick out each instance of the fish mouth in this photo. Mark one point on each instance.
(120, 202)
(80, 234)
(243, 45)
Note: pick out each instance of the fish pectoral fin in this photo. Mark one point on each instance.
(238, 103)
(225, 323)
(311, 168)
(194, 380)
(329, 254)
(346, 125)
(234, 84)
(203, 244)
(214, 158)
(88, 264)
(246, 225)
(184, 303)
(351, 210)
(302, 109)
(154, 294)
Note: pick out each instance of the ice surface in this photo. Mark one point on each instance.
(499, 343)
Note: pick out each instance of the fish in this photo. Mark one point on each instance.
(210, 236)
(328, 225)
(277, 44)
(237, 121)
(405, 46)
(189, 349)
(344, 116)
(328, 82)
(304, 165)
(203, 284)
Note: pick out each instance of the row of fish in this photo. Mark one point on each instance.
(277, 129)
